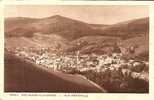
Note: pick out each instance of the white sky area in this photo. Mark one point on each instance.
(97, 14)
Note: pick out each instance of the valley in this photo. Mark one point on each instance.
(115, 57)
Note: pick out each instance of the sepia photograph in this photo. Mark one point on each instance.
(76, 48)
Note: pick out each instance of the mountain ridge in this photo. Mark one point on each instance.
(72, 29)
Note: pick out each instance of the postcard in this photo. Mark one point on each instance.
(65, 50)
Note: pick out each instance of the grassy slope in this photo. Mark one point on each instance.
(22, 76)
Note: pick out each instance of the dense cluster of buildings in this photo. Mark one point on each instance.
(82, 63)
(98, 68)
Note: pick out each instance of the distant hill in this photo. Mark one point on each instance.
(127, 29)
(63, 26)
(23, 76)
(72, 29)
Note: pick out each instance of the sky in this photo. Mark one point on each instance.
(96, 14)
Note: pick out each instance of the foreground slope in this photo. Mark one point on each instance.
(23, 76)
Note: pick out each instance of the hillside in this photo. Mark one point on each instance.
(140, 45)
(132, 33)
(60, 32)
(17, 25)
(37, 42)
(108, 44)
(93, 44)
